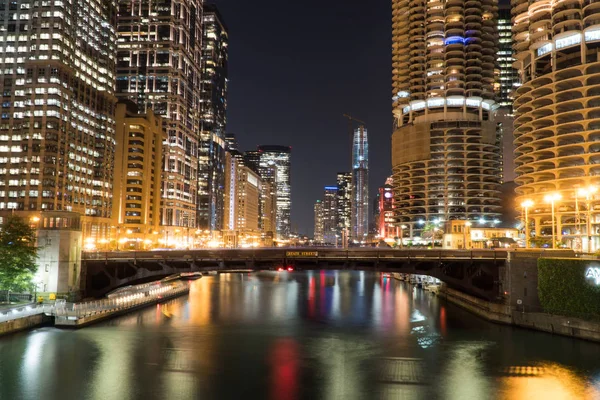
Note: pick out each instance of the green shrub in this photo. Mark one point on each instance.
(563, 288)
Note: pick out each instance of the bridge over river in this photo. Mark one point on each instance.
(477, 272)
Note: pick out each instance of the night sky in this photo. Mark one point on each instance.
(294, 69)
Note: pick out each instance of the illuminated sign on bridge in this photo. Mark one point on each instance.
(292, 254)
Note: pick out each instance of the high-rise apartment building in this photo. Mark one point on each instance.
(557, 117)
(279, 158)
(344, 203)
(318, 235)
(252, 159)
(359, 220)
(243, 196)
(446, 147)
(509, 77)
(211, 152)
(57, 123)
(137, 177)
(159, 68)
(330, 215)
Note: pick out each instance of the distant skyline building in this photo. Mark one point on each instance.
(509, 76)
(508, 83)
(330, 214)
(446, 149)
(318, 233)
(159, 68)
(211, 157)
(344, 202)
(384, 211)
(57, 134)
(360, 185)
(279, 158)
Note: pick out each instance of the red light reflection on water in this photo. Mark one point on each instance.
(311, 296)
(443, 320)
(284, 366)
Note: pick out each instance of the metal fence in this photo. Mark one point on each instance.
(25, 311)
(75, 311)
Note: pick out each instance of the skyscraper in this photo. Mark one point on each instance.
(57, 129)
(138, 176)
(445, 148)
(360, 185)
(158, 67)
(318, 235)
(330, 214)
(279, 158)
(557, 117)
(344, 202)
(509, 76)
(211, 158)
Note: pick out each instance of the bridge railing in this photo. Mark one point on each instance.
(310, 253)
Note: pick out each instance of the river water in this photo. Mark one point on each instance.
(300, 335)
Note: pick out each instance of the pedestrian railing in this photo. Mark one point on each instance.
(25, 311)
(76, 311)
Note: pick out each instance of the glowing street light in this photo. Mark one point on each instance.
(588, 194)
(552, 198)
(525, 205)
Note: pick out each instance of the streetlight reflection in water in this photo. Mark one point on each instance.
(295, 335)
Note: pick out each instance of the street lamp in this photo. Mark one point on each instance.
(552, 198)
(525, 205)
(402, 228)
(588, 193)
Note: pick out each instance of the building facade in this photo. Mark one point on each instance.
(385, 223)
(446, 147)
(344, 201)
(557, 117)
(508, 80)
(359, 218)
(318, 234)
(137, 178)
(57, 123)
(279, 158)
(211, 152)
(159, 68)
(330, 215)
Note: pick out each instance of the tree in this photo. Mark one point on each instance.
(431, 231)
(18, 253)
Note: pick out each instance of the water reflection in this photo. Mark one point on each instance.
(317, 335)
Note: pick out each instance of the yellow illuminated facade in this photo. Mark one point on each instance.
(136, 199)
(557, 116)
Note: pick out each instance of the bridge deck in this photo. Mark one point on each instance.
(290, 254)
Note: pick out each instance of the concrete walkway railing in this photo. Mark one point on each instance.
(76, 311)
(25, 311)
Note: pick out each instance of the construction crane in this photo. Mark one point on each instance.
(351, 118)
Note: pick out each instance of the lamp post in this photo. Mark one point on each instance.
(588, 193)
(525, 205)
(467, 225)
(552, 198)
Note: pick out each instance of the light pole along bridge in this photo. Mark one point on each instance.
(477, 272)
